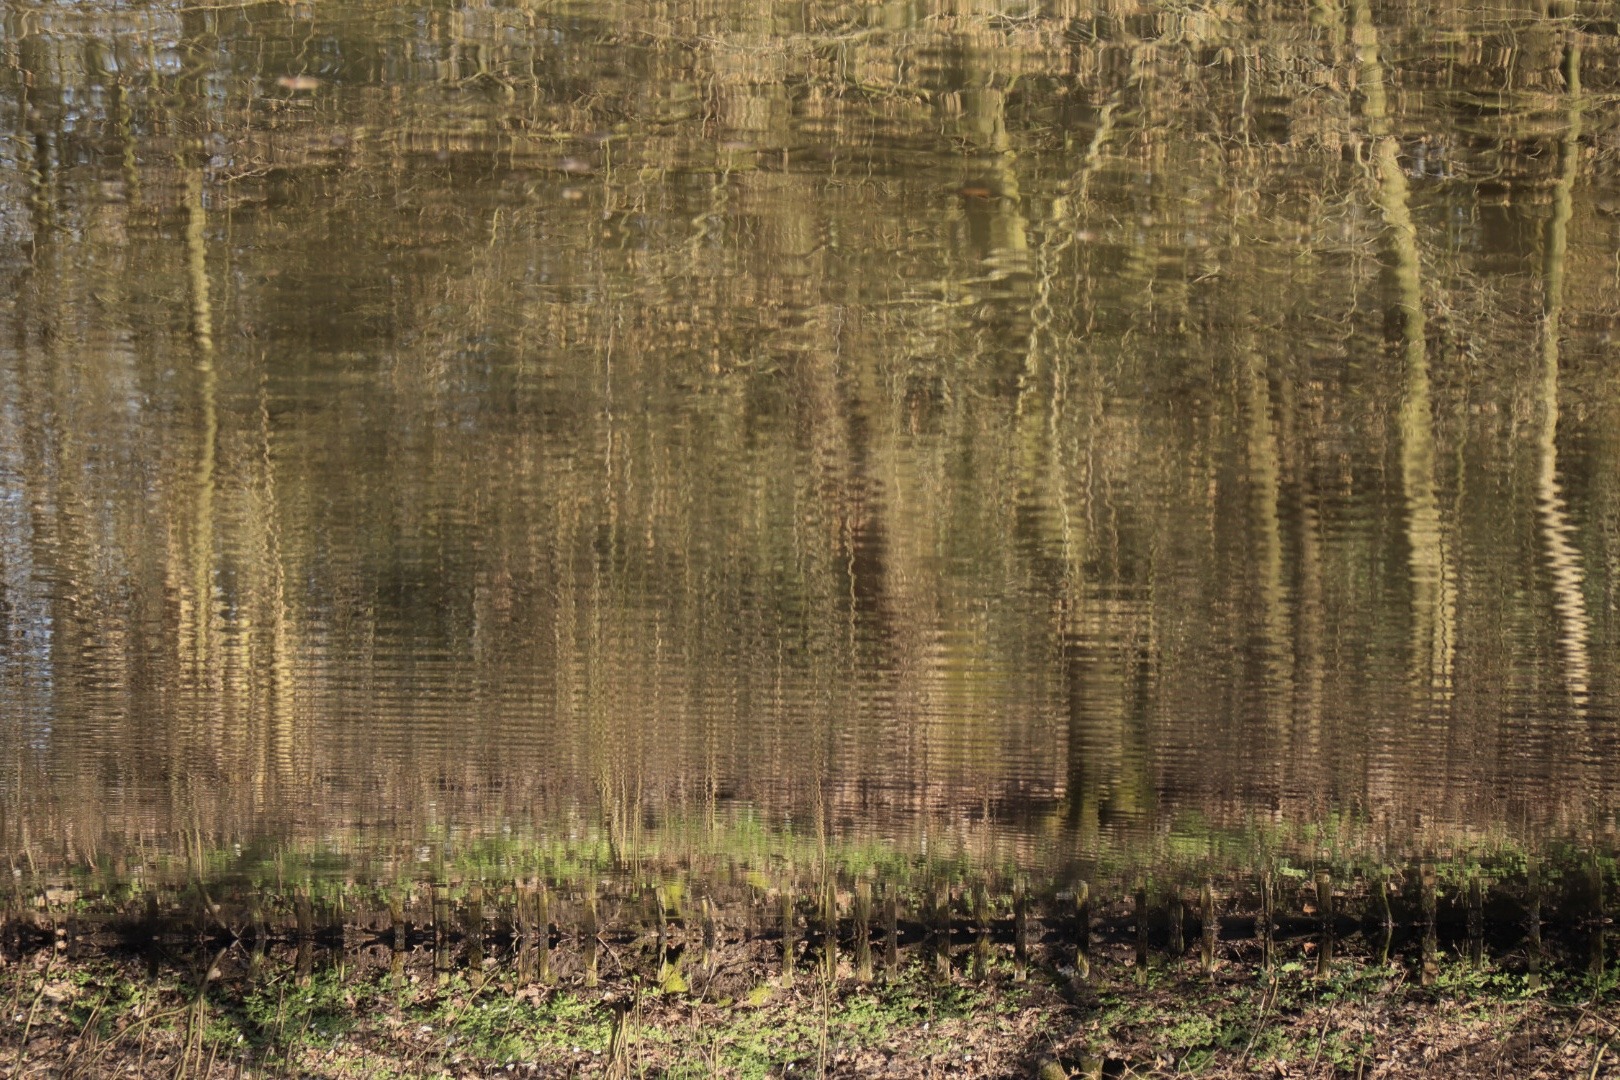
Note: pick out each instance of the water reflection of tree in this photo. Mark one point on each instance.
(714, 442)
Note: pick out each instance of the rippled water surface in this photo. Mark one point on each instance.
(1036, 435)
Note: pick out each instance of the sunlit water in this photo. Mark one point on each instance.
(1032, 436)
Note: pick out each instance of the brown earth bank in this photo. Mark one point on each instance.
(736, 1012)
(1305, 976)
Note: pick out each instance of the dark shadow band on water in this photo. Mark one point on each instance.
(1520, 912)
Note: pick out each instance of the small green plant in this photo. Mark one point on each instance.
(508, 1029)
(284, 1011)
